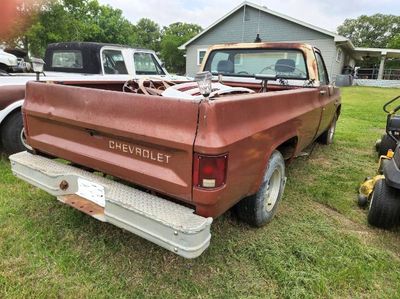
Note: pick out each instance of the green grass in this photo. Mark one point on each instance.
(319, 244)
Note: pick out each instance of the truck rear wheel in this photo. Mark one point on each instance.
(3, 67)
(260, 208)
(384, 210)
(328, 136)
(12, 134)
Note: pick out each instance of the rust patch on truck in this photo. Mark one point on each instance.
(83, 205)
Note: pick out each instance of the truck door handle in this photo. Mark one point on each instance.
(322, 92)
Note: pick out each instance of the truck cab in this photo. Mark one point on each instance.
(66, 59)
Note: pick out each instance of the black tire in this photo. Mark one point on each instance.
(328, 136)
(384, 209)
(386, 144)
(11, 134)
(3, 67)
(259, 209)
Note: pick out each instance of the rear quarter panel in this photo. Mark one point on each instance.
(249, 128)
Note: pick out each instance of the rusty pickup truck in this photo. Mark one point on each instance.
(162, 160)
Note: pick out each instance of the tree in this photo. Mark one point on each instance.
(148, 34)
(371, 31)
(174, 36)
(394, 43)
(112, 27)
(41, 22)
(74, 20)
(23, 14)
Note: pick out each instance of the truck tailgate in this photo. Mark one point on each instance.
(141, 139)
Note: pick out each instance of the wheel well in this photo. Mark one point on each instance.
(339, 110)
(288, 148)
(16, 110)
(5, 120)
(3, 66)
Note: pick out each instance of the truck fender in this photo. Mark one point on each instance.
(10, 109)
(290, 139)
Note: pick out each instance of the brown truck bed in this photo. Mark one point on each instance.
(144, 140)
(150, 141)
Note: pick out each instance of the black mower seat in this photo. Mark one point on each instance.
(391, 169)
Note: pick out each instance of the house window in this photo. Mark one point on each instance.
(200, 55)
(339, 55)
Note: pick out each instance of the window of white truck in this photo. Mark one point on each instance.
(146, 64)
(71, 59)
(113, 62)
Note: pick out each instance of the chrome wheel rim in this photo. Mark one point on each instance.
(23, 139)
(272, 190)
(332, 129)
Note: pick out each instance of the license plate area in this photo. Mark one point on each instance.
(91, 191)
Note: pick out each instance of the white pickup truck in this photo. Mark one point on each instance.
(93, 63)
(10, 63)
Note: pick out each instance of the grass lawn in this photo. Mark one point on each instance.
(319, 244)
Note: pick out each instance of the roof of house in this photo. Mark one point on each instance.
(337, 38)
(378, 52)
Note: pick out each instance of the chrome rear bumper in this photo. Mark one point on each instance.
(158, 220)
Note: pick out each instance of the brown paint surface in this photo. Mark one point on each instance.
(85, 125)
(10, 94)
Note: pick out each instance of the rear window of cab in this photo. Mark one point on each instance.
(69, 59)
(285, 63)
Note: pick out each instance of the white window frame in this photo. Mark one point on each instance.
(112, 49)
(339, 55)
(198, 55)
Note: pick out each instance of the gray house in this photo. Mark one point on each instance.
(244, 22)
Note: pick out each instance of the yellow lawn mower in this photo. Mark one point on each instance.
(383, 192)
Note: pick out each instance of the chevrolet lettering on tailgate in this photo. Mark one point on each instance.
(138, 151)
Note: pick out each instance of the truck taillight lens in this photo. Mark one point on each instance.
(209, 171)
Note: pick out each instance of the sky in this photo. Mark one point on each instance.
(327, 14)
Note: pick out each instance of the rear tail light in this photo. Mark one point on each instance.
(209, 171)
